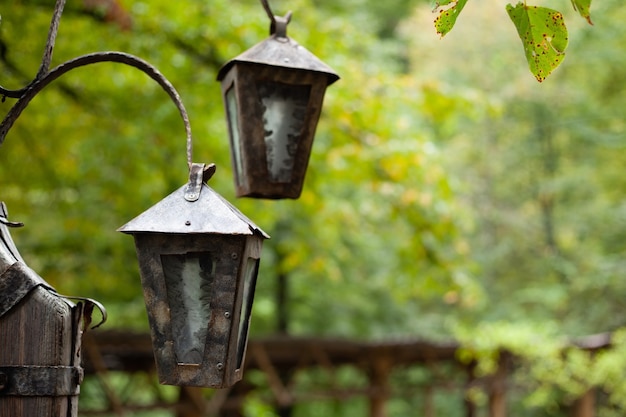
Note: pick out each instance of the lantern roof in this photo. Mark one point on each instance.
(209, 214)
(281, 51)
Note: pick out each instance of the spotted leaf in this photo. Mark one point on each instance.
(582, 6)
(448, 11)
(543, 34)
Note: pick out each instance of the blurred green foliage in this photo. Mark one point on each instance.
(448, 195)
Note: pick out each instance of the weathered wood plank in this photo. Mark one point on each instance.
(38, 331)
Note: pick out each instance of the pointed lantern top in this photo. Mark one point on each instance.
(210, 214)
(281, 51)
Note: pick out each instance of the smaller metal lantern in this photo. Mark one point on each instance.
(273, 95)
(198, 258)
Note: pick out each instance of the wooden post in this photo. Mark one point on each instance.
(585, 405)
(468, 404)
(429, 406)
(40, 370)
(379, 384)
(191, 403)
(497, 389)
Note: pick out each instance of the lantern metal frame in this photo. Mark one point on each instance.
(198, 258)
(270, 152)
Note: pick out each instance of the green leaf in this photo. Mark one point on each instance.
(582, 7)
(543, 34)
(448, 10)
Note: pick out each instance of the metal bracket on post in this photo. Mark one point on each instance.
(40, 381)
(8, 252)
(15, 283)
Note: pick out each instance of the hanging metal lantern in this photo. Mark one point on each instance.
(273, 94)
(198, 259)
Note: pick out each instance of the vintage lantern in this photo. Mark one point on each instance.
(198, 259)
(273, 95)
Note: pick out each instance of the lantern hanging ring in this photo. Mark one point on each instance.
(279, 24)
(45, 76)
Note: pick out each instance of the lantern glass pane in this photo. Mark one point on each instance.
(189, 279)
(284, 116)
(233, 125)
(249, 283)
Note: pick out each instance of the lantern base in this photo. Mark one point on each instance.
(270, 193)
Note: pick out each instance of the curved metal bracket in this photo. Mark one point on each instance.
(88, 305)
(119, 57)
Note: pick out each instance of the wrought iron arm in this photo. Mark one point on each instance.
(47, 54)
(45, 77)
(119, 57)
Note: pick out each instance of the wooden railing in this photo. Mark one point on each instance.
(282, 361)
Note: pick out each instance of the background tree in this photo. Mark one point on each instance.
(448, 194)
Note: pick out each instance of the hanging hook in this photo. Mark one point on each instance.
(269, 12)
(278, 24)
(88, 305)
(279, 27)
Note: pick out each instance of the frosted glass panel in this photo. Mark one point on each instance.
(284, 113)
(189, 278)
(233, 121)
(246, 307)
